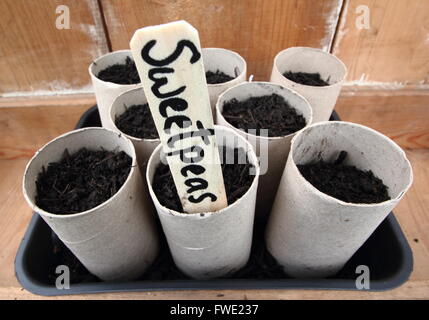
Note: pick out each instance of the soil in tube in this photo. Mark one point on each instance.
(120, 73)
(217, 77)
(309, 79)
(137, 122)
(81, 181)
(126, 73)
(270, 112)
(345, 182)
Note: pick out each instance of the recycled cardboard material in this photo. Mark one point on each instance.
(272, 151)
(311, 60)
(230, 63)
(144, 147)
(210, 244)
(312, 234)
(106, 92)
(116, 240)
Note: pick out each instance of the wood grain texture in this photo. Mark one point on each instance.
(393, 51)
(256, 29)
(411, 290)
(26, 129)
(412, 213)
(15, 215)
(403, 118)
(38, 58)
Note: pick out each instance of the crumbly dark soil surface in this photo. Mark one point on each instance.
(309, 79)
(345, 182)
(270, 112)
(217, 77)
(237, 180)
(137, 122)
(81, 181)
(120, 73)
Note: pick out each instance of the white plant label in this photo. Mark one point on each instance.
(168, 60)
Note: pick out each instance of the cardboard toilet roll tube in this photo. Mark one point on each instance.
(227, 61)
(115, 240)
(311, 60)
(144, 147)
(272, 151)
(312, 234)
(105, 91)
(211, 244)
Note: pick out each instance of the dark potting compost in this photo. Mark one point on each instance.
(345, 182)
(270, 112)
(137, 122)
(217, 77)
(236, 176)
(120, 73)
(81, 181)
(309, 79)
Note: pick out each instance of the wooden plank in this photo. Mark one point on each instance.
(393, 51)
(26, 129)
(403, 118)
(411, 290)
(256, 29)
(51, 100)
(15, 215)
(38, 58)
(413, 213)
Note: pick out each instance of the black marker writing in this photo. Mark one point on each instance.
(159, 82)
(170, 101)
(196, 55)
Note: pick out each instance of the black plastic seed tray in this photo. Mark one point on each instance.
(386, 253)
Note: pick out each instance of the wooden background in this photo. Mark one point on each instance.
(39, 59)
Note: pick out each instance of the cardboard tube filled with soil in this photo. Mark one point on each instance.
(130, 115)
(224, 69)
(87, 187)
(315, 74)
(111, 75)
(279, 110)
(340, 182)
(209, 244)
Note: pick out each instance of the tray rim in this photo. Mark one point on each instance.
(388, 283)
